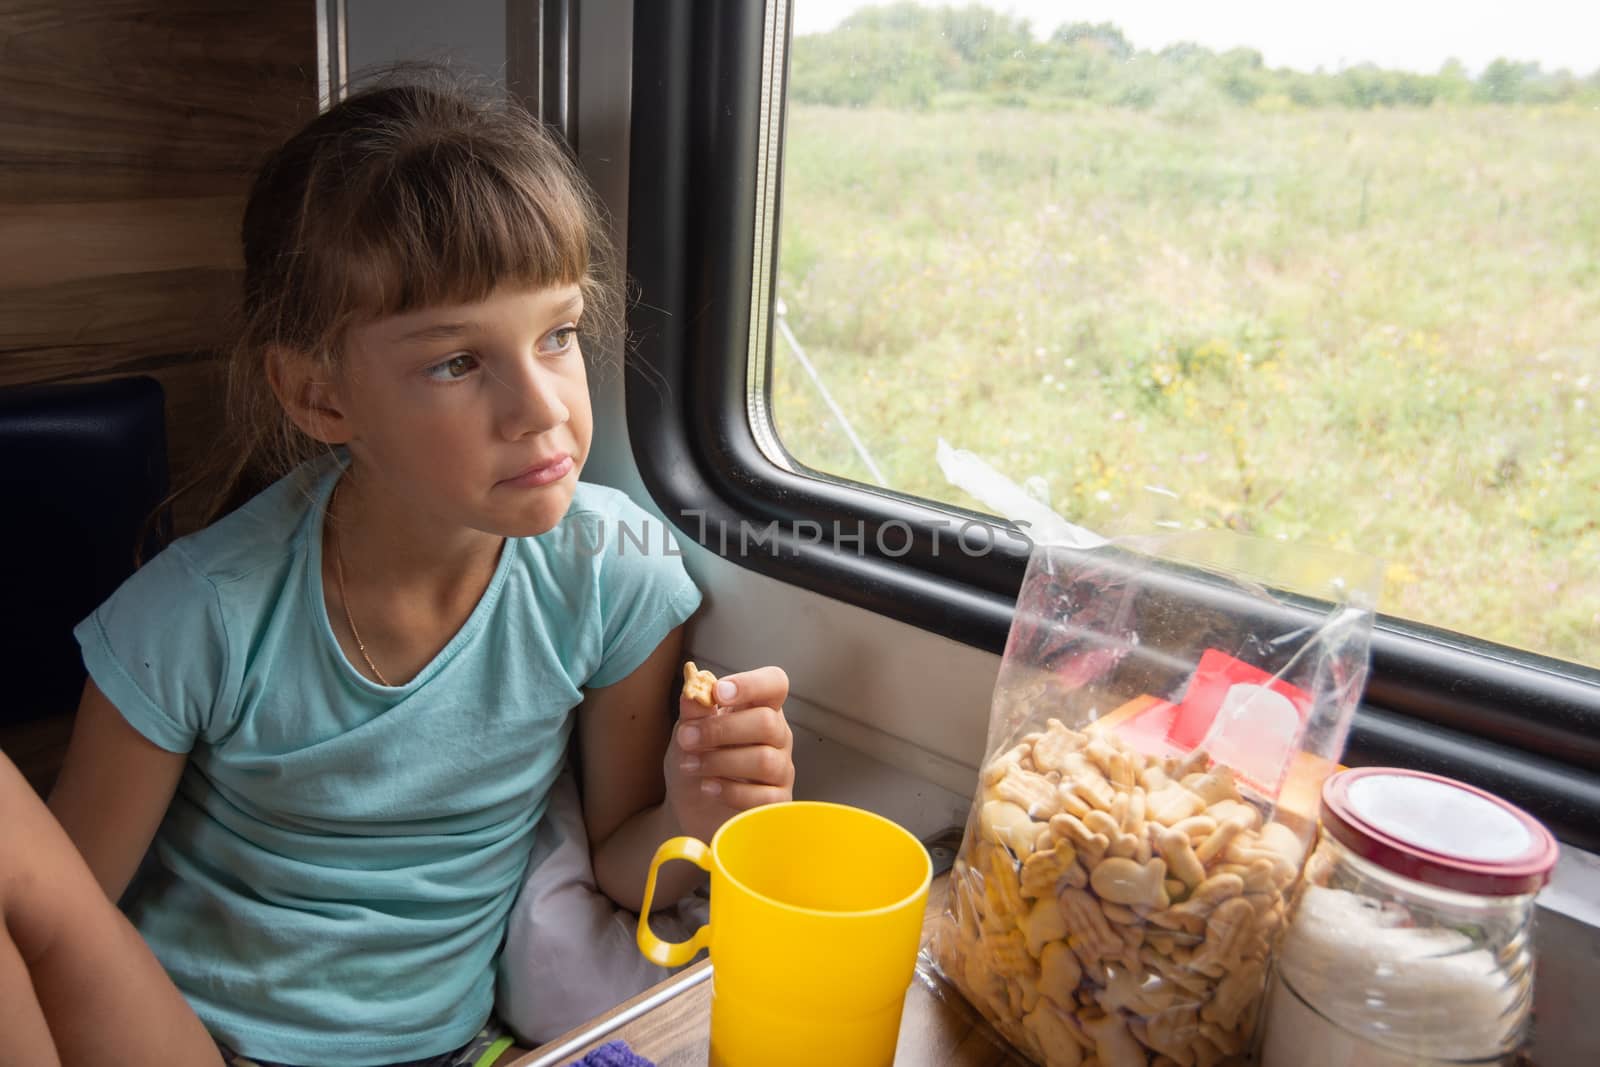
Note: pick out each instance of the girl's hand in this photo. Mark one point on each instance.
(738, 756)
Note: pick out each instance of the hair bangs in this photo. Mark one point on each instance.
(451, 224)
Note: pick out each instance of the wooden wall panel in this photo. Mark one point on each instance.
(129, 130)
(46, 243)
(122, 99)
(116, 322)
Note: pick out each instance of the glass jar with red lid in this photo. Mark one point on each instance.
(1410, 940)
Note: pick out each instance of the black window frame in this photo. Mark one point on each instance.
(1524, 726)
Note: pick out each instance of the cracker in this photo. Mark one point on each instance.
(699, 685)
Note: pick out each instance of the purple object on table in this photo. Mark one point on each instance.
(613, 1054)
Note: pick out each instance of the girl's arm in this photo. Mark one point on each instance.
(113, 790)
(643, 784)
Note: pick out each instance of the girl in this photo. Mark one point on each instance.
(338, 711)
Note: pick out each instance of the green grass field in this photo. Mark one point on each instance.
(1376, 330)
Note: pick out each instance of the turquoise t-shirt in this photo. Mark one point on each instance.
(336, 869)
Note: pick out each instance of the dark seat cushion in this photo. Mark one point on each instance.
(82, 467)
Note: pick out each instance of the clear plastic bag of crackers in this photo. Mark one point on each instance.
(1164, 717)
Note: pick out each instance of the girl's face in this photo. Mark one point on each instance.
(474, 415)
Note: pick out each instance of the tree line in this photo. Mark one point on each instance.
(905, 55)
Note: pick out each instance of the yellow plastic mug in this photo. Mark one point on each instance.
(816, 915)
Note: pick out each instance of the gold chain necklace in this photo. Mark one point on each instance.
(344, 598)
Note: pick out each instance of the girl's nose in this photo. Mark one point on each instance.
(531, 403)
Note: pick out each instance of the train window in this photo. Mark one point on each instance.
(856, 233)
(1327, 280)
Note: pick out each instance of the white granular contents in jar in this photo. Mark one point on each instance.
(1375, 993)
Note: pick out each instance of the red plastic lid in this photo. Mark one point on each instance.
(1438, 831)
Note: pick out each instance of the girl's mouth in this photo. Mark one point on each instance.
(552, 470)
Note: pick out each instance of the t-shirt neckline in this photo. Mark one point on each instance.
(319, 602)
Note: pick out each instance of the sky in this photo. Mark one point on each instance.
(1396, 34)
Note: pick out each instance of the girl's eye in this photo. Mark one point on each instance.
(560, 340)
(452, 369)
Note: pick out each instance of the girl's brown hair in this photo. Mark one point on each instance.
(400, 197)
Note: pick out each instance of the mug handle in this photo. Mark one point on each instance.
(672, 953)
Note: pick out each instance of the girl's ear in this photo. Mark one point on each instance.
(312, 403)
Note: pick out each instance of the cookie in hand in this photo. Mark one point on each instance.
(698, 685)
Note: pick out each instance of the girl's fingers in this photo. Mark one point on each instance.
(741, 756)
(692, 709)
(767, 686)
(757, 764)
(748, 726)
(744, 795)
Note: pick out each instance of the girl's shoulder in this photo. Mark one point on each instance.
(170, 647)
(629, 562)
(262, 534)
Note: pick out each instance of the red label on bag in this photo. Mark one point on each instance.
(1241, 715)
